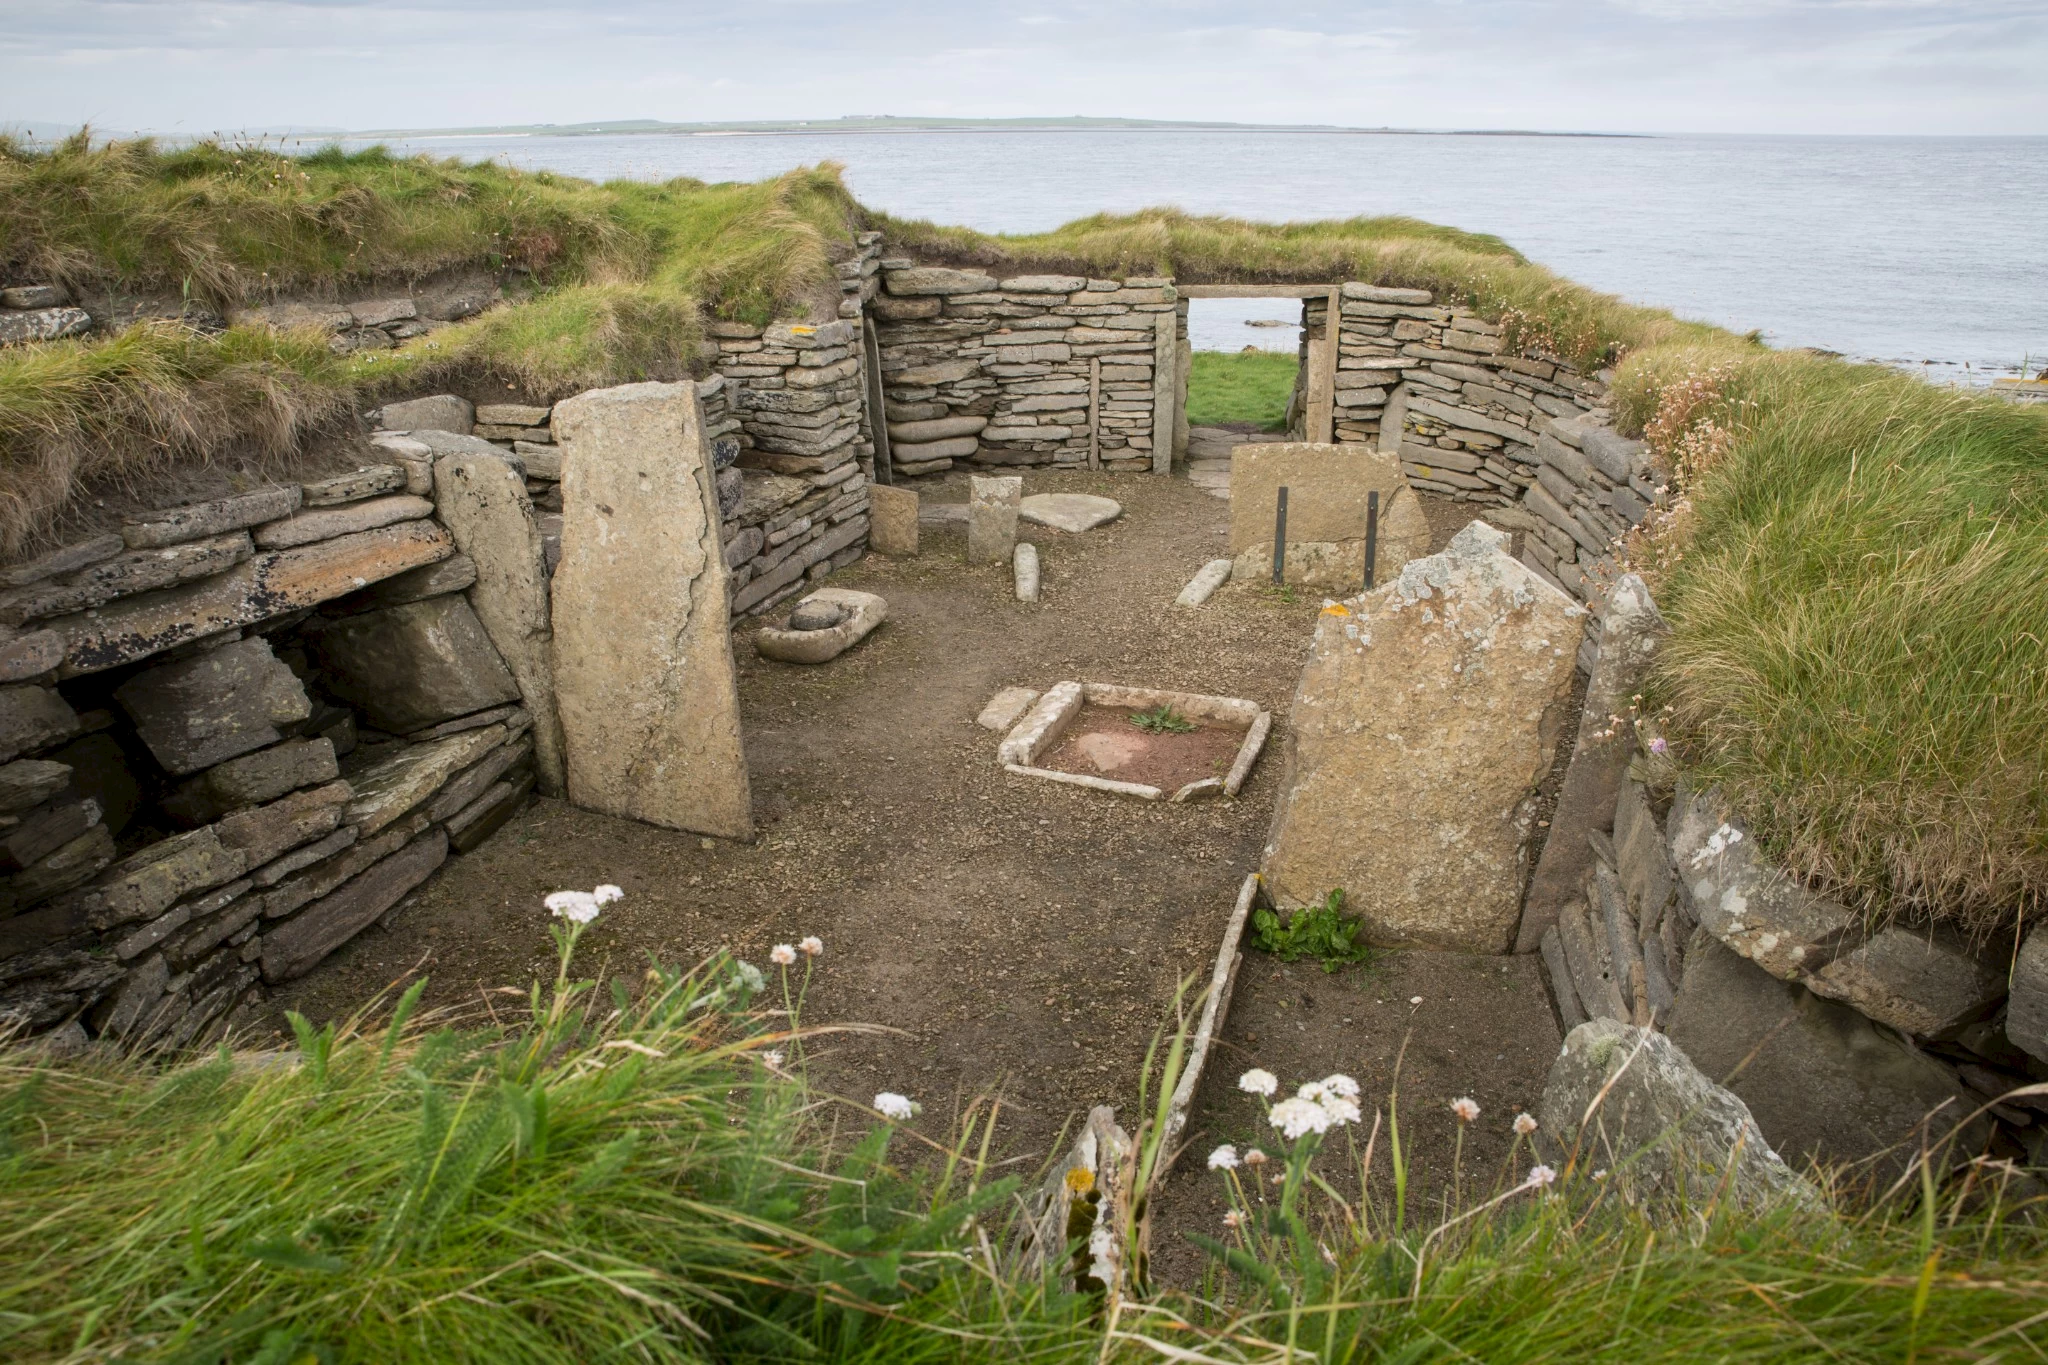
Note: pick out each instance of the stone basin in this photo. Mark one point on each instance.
(1039, 730)
(863, 612)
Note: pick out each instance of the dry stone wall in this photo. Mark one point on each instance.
(233, 734)
(1053, 370)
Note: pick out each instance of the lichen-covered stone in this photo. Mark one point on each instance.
(1739, 897)
(253, 779)
(1428, 713)
(1918, 980)
(325, 523)
(394, 786)
(214, 706)
(149, 882)
(195, 521)
(1328, 488)
(1662, 1126)
(443, 412)
(295, 947)
(892, 529)
(644, 673)
(33, 718)
(992, 509)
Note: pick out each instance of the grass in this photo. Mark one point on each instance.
(649, 1176)
(1252, 386)
(1857, 582)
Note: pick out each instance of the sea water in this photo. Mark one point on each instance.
(1927, 252)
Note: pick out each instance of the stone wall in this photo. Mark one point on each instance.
(1053, 370)
(234, 734)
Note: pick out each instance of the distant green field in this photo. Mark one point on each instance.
(1251, 387)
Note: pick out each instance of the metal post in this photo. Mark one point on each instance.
(1280, 539)
(1372, 534)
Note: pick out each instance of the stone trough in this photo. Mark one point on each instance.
(1042, 728)
(821, 627)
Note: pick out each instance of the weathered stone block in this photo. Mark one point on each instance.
(644, 672)
(33, 718)
(443, 412)
(147, 883)
(893, 528)
(294, 948)
(512, 414)
(1428, 713)
(2026, 1013)
(1663, 1126)
(265, 833)
(1327, 490)
(30, 782)
(394, 786)
(993, 504)
(173, 526)
(936, 280)
(368, 482)
(487, 814)
(483, 502)
(253, 779)
(452, 574)
(70, 866)
(1920, 981)
(1630, 634)
(325, 523)
(30, 656)
(140, 571)
(1822, 1080)
(214, 706)
(269, 585)
(414, 665)
(1740, 898)
(43, 832)
(43, 324)
(70, 559)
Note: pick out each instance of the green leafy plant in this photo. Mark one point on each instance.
(1323, 932)
(1162, 719)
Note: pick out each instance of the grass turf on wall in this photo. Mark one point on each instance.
(1251, 386)
(1854, 581)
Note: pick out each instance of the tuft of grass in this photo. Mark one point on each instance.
(1161, 720)
(1251, 386)
(1857, 582)
(1321, 931)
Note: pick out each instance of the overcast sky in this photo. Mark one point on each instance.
(1821, 66)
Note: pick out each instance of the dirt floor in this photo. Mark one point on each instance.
(1010, 934)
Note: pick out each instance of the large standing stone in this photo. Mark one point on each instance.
(295, 947)
(1823, 1081)
(412, 666)
(1662, 1126)
(1328, 487)
(892, 529)
(214, 706)
(1428, 713)
(482, 500)
(992, 509)
(1629, 635)
(644, 673)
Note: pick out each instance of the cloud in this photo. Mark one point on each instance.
(1621, 65)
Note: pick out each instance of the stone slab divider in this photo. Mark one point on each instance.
(1215, 1007)
(649, 701)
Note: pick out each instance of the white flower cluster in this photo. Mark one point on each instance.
(891, 1105)
(1316, 1107)
(784, 954)
(1719, 842)
(581, 907)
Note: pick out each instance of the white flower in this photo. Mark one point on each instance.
(812, 946)
(1341, 1084)
(606, 894)
(891, 1105)
(1525, 1124)
(578, 907)
(1258, 1081)
(782, 954)
(1233, 1220)
(1466, 1108)
(772, 1060)
(750, 976)
(1254, 1157)
(1340, 1108)
(1539, 1176)
(1298, 1116)
(1224, 1158)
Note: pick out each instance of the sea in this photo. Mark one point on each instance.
(1928, 253)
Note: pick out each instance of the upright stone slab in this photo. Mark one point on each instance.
(1629, 636)
(1328, 489)
(1428, 712)
(482, 501)
(892, 529)
(992, 509)
(644, 675)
